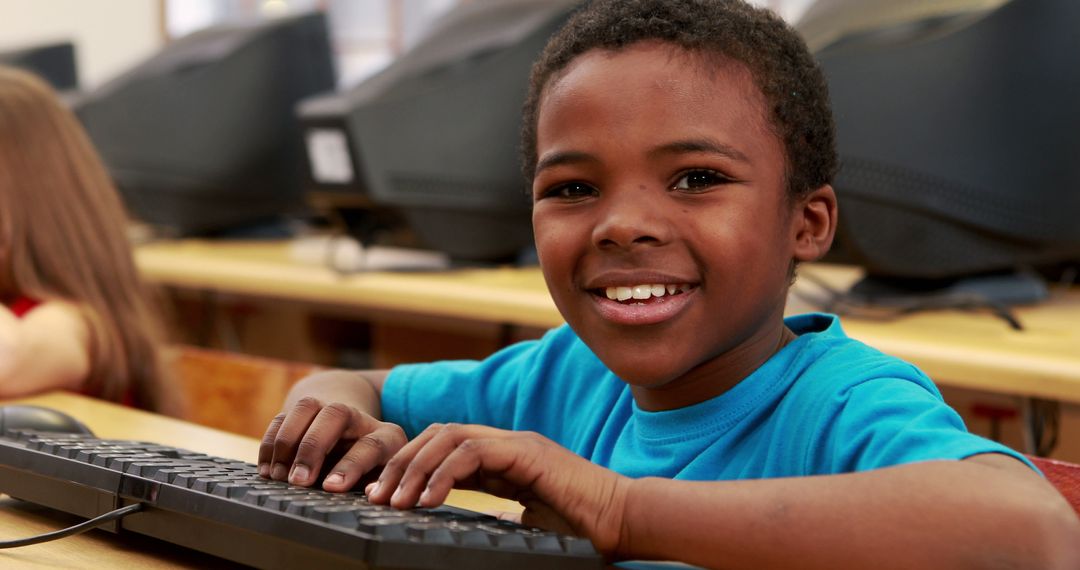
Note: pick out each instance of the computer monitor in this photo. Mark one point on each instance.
(825, 21)
(434, 136)
(55, 63)
(202, 138)
(958, 143)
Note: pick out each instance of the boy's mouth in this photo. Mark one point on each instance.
(641, 294)
(644, 304)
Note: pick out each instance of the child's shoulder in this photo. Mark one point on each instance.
(828, 355)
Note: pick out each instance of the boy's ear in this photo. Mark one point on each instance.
(815, 224)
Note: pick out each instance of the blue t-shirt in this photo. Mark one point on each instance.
(823, 404)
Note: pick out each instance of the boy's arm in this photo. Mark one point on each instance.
(986, 511)
(333, 413)
(359, 388)
(55, 329)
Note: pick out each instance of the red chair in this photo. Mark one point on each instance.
(1062, 475)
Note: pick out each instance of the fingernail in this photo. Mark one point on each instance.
(334, 479)
(396, 494)
(299, 474)
(279, 471)
(371, 489)
(424, 496)
(264, 470)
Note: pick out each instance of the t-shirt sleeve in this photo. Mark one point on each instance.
(534, 385)
(459, 391)
(525, 386)
(888, 421)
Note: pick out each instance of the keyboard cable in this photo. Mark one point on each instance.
(73, 530)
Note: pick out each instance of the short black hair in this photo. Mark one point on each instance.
(783, 68)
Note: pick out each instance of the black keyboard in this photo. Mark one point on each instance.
(222, 507)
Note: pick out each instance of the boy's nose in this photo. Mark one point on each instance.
(631, 219)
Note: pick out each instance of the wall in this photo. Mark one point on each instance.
(109, 36)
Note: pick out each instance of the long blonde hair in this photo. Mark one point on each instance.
(63, 236)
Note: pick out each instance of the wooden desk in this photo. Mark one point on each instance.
(264, 269)
(100, 549)
(963, 349)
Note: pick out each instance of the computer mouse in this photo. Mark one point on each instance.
(39, 418)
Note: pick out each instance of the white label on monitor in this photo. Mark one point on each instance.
(328, 152)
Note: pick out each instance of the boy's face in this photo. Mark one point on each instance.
(658, 174)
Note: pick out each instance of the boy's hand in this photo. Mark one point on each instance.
(560, 491)
(298, 441)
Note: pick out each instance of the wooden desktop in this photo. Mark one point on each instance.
(101, 549)
(967, 349)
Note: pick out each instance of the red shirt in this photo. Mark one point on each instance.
(22, 305)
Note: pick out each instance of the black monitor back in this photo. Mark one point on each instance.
(958, 142)
(435, 135)
(202, 137)
(54, 63)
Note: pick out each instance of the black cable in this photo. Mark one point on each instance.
(891, 306)
(73, 530)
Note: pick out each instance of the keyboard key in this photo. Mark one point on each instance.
(386, 528)
(280, 501)
(231, 490)
(384, 512)
(48, 444)
(69, 450)
(147, 468)
(169, 474)
(544, 542)
(303, 507)
(187, 478)
(207, 484)
(472, 537)
(429, 532)
(510, 540)
(101, 458)
(165, 451)
(259, 497)
(573, 545)
(337, 515)
(121, 463)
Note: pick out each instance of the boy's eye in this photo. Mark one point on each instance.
(699, 180)
(569, 191)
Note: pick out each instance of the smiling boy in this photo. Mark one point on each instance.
(680, 155)
(651, 173)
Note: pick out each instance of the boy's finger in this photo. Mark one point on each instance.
(381, 491)
(293, 426)
(266, 446)
(369, 452)
(472, 455)
(319, 438)
(444, 445)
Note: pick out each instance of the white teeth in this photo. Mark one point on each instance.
(642, 291)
